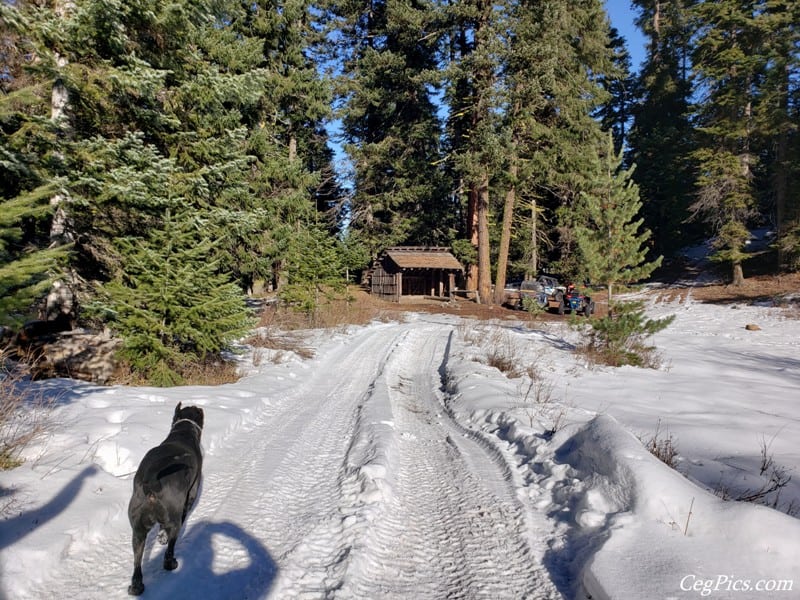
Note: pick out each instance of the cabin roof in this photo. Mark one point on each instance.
(412, 257)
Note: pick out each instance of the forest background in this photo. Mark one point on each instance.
(159, 160)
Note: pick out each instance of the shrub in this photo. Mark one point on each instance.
(170, 305)
(501, 351)
(772, 479)
(532, 308)
(22, 419)
(314, 272)
(620, 337)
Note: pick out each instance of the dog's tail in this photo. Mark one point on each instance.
(152, 486)
(151, 490)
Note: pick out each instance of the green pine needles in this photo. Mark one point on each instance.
(621, 337)
(609, 233)
(612, 244)
(314, 271)
(170, 305)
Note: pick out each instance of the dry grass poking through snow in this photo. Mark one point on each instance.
(663, 448)
(772, 478)
(23, 418)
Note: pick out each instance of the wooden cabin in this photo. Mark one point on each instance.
(411, 272)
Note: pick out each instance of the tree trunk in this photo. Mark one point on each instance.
(484, 254)
(505, 238)
(534, 262)
(738, 274)
(59, 104)
(780, 178)
(657, 19)
(472, 225)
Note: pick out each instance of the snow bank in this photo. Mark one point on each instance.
(629, 527)
(660, 523)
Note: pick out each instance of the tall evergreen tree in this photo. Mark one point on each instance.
(29, 168)
(661, 141)
(529, 70)
(581, 45)
(292, 176)
(610, 234)
(390, 123)
(475, 53)
(779, 119)
(615, 113)
(729, 61)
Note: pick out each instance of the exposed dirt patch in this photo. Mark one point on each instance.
(461, 307)
(701, 285)
(780, 290)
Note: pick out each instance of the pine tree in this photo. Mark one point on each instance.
(613, 246)
(28, 266)
(24, 281)
(29, 169)
(729, 62)
(615, 114)
(529, 66)
(620, 338)
(475, 48)
(171, 304)
(557, 64)
(610, 237)
(779, 119)
(579, 35)
(315, 270)
(661, 141)
(390, 125)
(292, 181)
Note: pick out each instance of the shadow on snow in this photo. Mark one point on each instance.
(197, 576)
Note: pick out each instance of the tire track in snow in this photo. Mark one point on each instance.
(451, 526)
(293, 502)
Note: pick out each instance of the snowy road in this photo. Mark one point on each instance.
(397, 463)
(354, 481)
(390, 506)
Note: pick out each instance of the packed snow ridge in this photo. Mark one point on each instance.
(396, 463)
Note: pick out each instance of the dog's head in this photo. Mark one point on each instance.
(190, 413)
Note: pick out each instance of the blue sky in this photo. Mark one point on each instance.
(622, 16)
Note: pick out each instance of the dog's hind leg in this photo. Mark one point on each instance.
(190, 499)
(170, 562)
(136, 587)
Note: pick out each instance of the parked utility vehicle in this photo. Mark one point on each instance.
(547, 293)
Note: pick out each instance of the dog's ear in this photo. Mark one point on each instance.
(177, 414)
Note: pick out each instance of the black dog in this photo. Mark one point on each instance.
(165, 488)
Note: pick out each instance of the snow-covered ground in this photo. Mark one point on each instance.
(396, 463)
